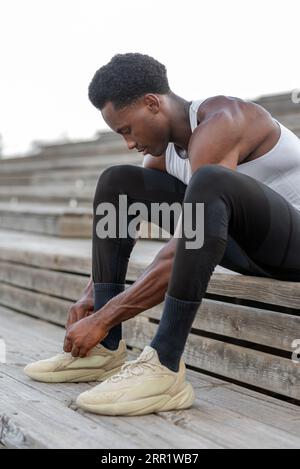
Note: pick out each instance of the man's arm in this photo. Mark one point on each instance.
(146, 292)
(216, 141)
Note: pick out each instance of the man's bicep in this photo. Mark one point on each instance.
(215, 142)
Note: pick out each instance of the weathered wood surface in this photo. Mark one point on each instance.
(253, 367)
(39, 415)
(40, 277)
(259, 326)
(265, 290)
(110, 143)
(72, 255)
(27, 165)
(243, 364)
(29, 209)
(51, 175)
(268, 328)
(44, 193)
(49, 220)
(68, 255)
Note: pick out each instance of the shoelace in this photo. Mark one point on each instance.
(133, 368)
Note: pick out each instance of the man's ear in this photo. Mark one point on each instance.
(152, 101)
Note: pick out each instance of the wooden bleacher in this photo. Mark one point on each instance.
(238, 353)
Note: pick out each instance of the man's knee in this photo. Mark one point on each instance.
(112, 181)
(208, 179)
(210, 172)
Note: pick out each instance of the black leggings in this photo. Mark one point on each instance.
(248, 227)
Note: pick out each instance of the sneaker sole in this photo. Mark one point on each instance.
(163, 403)
(71, 376)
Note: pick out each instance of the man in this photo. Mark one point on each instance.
(228, 154)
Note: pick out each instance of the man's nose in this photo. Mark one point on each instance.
(131, 145)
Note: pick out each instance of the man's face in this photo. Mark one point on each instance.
(143, 124)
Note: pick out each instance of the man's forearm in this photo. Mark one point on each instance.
(148, 291)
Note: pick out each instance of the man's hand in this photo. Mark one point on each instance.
(84, 335)
(83, 308)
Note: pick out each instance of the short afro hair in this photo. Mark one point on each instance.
(126, 78)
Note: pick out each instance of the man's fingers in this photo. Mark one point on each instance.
(82, 352)
(67, 345)
(76, 313)
(75, 351)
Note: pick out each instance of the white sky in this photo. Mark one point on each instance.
(50, 49)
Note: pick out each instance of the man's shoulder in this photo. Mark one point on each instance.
(221, 125)
(221, 104)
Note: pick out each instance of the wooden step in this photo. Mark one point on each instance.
(67, 255)
(28, 165)
(63, 221)
(52, 197)
(50, 220)
(49, 177)
(106, 145)
(250, 343)
(245, 323)
(46, 194)
(35, 415)
(217, 355)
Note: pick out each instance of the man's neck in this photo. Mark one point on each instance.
(181, 131)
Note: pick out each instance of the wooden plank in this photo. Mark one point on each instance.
(246, 403)
(236, 430)
(213, 424)
(46, 191)
(49, 225)
(256, 368)
(77, 200)
(30, 426)
(69, 162)
(36, 338)
(265, 290)
(27, 416)
(259, 326)
(269, 328)
(252, 367)
(51, 282)
(69, 255)
(36, 209)
(103, 149)
(36, 304)
(54, 175)
(74, 256)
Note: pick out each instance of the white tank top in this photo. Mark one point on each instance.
(279, 168)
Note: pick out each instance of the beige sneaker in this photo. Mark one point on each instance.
(99, 365)
(143, 386)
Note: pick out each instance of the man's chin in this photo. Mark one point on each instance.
(157, 152)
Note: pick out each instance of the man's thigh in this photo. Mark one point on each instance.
(265, 234)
